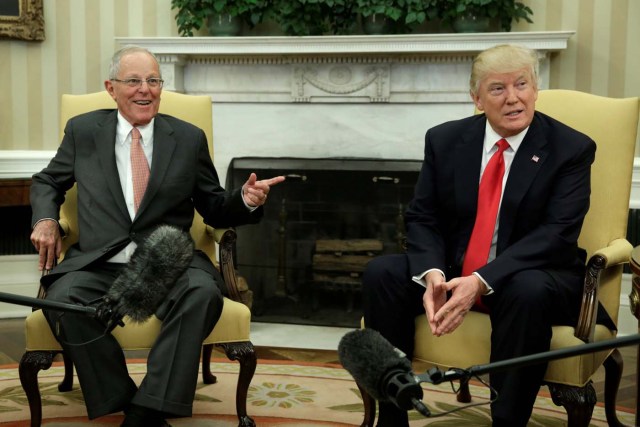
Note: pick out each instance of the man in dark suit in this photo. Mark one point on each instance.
(114, 217)
(532, 276)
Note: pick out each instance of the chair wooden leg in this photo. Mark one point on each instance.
(244, 353)
(67, 382)
(369, 407)
(207, 376)
(613, 366)
(31, 363)
(464, 395)
(577, 401)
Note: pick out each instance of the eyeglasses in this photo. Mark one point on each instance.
(153, 82)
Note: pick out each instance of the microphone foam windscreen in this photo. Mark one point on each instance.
(152, 271)
(369, 357)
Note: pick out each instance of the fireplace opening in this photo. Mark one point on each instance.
(303, 261)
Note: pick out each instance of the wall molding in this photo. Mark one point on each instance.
(22, 164)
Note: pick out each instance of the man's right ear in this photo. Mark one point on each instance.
(476, 101)
(108, 85)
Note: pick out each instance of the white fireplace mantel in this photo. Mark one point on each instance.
(332, 96)
(359, 44)
(334, 69)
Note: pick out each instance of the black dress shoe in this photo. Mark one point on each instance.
(139, 416)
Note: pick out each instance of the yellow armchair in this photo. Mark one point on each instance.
(612, 124)
(232, 330)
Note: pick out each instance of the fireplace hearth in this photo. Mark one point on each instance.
(304, 260)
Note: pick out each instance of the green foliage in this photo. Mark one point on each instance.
(419, 11)
(503, 11)
(317, 17)
(391, 9)
(192, 14)
(404, 14)
(314, 17)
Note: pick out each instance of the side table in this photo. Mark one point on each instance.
(634, 299)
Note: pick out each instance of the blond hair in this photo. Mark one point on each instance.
(503, 58)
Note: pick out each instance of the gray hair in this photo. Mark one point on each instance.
(503, 58)
(114, 66)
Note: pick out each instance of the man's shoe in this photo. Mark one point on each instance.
(139, 416)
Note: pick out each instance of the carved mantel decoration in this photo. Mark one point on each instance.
(333, 82)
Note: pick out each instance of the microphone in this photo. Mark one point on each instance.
(146, 280)
(381, 369)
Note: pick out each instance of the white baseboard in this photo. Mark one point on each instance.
(21, 277)
(627, 323)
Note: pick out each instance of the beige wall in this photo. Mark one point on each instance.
(603, 57)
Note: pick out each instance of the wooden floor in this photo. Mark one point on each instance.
(12, 347)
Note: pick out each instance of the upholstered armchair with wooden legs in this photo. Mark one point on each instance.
(232, 330)
(612, 124)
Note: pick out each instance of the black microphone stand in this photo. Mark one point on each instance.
(51, 305)
(405, 391)
(102, 311)
(437, 376)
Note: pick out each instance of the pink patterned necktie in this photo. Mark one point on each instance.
(489, 194)
(139, 168)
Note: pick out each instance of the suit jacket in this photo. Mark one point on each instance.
(544, 203)
(182, 178)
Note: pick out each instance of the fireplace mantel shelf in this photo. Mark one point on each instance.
(357, 44)
(406, 68)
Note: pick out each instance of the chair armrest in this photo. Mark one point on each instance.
(617, 253)
(226, 240)
(66, 228)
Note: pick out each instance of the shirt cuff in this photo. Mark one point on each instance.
(419, 279)
(488, 289)
(45, 219)
(251, 208)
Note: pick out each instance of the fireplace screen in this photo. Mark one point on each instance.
(303, 262)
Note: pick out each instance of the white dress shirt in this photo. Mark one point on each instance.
(490, 147)
(123, 162)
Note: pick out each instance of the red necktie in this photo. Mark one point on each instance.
(139, 168)
(489, 194)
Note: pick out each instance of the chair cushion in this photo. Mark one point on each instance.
(234, 326)
(469, 345)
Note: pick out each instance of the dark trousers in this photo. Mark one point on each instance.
(522, 314)
(188, 315)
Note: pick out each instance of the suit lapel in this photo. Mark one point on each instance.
(104, 138)
(526, 164)
(468, 157)
(164, 145)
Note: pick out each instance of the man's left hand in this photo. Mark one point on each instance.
(464, 292)
(255, 192)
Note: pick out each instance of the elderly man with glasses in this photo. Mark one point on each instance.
(111, 155)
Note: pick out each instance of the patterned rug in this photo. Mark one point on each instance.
(281, 394)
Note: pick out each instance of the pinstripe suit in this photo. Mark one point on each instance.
(182, 178)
